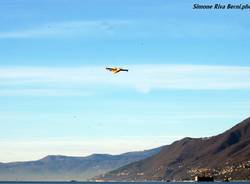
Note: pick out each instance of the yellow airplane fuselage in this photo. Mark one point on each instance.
(115, 70)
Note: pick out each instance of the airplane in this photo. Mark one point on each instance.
(115, 70)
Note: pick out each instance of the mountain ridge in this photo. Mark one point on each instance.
(60, 167)
(222, 156)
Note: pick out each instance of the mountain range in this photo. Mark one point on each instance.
(225, 156)
(65, 168)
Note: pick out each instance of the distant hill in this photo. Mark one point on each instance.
(224, 156)
(59, 168)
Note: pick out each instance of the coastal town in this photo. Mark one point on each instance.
(229, 172)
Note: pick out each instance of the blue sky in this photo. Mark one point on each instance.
(188, 75)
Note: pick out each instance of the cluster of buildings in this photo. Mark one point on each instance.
(226, 173)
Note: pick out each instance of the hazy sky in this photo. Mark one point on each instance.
(189, 74)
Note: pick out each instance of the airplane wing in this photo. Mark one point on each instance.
(110, 69)
(125, 70)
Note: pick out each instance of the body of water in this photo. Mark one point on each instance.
(17, 182)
